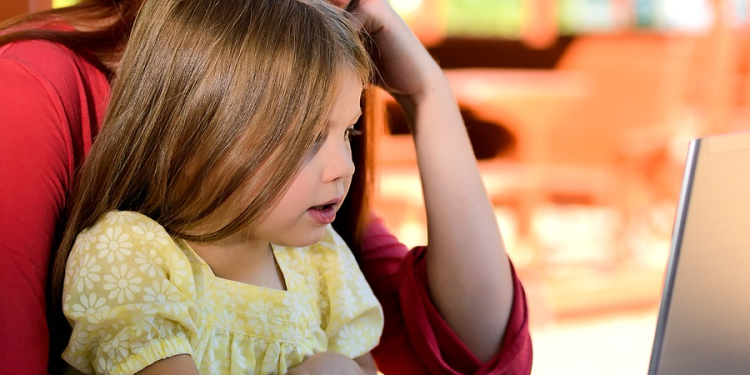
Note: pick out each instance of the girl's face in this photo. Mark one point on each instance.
(310, 203)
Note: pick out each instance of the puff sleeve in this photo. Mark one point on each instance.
(128, 295)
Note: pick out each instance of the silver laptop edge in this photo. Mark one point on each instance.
(674, 253)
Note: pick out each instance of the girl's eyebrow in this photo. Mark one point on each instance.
(353, 121)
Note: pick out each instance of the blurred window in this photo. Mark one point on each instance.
(504, 18)
(484, 18)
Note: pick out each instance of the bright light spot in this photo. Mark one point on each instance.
(63, 3)
(406, 7)
(412, 233)
(687, 15)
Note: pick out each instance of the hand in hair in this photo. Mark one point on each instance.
(466, 260)
(404, 65)
(332, 363)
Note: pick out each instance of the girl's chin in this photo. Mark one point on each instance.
(311, 237)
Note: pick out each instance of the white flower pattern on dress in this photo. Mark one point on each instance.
(179, 265)
(114, 244)
(78, 340)
(131, 291)
(117, 346)
(119, 217)
(87, 272)
(89, 305)
(100, 317)
(165, 295)
(144, 324)
(122, 283)
(104, 364)
(148, 261)
(150, 231)
(347, 301)
(354, 340)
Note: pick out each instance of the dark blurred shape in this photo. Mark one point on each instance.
(456, 52)
(488, 139)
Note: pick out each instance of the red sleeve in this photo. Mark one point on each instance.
(416, 340)
(42, 140)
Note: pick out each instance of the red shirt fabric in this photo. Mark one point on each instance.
(416, 340)
(52, 102)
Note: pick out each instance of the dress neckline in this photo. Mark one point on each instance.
(279, 259)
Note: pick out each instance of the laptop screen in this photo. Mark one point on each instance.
(704, 318)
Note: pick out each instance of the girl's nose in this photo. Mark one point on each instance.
(339, 165)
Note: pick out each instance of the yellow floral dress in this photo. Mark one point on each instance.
(134, 295)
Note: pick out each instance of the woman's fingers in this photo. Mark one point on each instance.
(403, 63)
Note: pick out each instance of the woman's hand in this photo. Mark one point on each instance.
(332, 363)
(405, 67)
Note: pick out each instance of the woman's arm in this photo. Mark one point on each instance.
(467, 269)
(35, 174)
(30, 204)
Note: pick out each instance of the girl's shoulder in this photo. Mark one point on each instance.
(130, 245)
(136, 224)
(127, 235)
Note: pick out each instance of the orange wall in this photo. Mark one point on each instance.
(12, 8)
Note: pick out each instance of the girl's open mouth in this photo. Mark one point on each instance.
(323, 206)
(323, 214)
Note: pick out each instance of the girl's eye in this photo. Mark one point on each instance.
(351, 133)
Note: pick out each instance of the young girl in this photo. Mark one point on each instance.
(454, 306)
(199, 237)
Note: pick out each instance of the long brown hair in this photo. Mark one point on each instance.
(108, 24)
(101, 29)
(213, 101)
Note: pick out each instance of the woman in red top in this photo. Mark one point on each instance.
(457, 308)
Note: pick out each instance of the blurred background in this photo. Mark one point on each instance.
(580, 112)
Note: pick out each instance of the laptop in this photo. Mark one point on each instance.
(703, 325)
